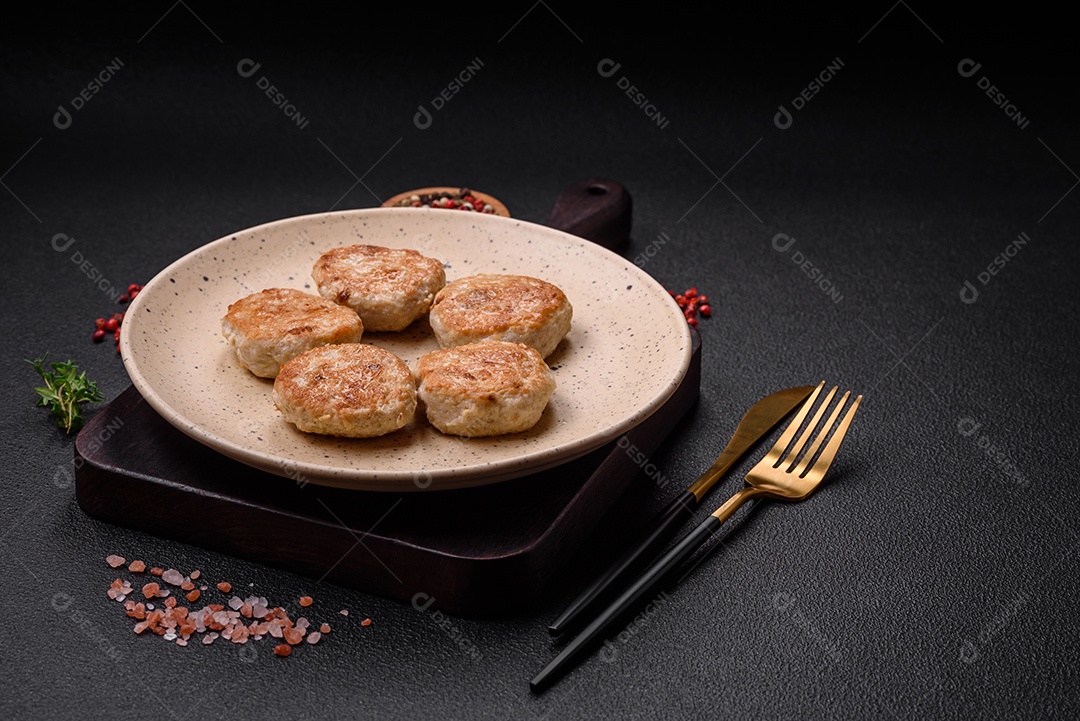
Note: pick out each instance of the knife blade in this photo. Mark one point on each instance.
(762, 417)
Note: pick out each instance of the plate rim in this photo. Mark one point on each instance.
(477, 474)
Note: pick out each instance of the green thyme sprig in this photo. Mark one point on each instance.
(64, 390)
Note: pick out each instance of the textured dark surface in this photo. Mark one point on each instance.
(934, 575)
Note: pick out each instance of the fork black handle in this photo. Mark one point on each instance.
(662, 528)
(648, 582)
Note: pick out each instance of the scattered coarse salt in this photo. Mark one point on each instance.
(194, 575)
(119, 590)
(115, 561)
(238, 620)
(366, 622)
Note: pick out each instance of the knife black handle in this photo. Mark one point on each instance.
(618, 575)
(648, 582)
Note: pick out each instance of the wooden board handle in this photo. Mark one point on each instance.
(597, 209)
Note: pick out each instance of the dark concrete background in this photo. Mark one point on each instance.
(934, 575)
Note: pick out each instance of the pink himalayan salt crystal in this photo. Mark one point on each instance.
(172, 577)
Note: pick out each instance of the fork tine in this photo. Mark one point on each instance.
(825, 460)
(801, 443)
(777, 451)
(805, 463)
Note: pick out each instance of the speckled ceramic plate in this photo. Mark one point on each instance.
(627, 352)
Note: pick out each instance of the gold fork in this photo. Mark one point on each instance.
(776, 475)
(788, 472)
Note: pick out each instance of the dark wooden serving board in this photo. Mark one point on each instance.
(475, 551)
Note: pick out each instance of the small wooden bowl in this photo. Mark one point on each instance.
(500, 209)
